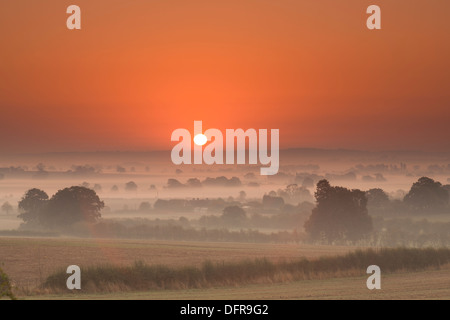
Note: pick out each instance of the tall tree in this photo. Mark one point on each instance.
(377, 200)
(340, 213)
(233, 215)
(427, 195)
(32, 205)
(71, 205)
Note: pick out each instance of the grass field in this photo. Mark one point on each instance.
(28, 261)
(430, 284)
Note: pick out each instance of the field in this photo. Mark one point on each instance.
(430, 284)
(28, 261)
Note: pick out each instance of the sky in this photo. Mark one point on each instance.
(138, 69)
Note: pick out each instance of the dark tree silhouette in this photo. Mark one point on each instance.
(193, 182)
(31, 205)
(340, 213)
(222, 182)
(272, 202)
(242, 195)
(40, 166)
(294, 194)
(378, 202)
(308, 182)
(145, 206)
(41, 173)
(85, 170)
(131, 186)
(71, 205)
(427, 195)
(272, 193)
(377, 198)
(233, 214)
(174, 183)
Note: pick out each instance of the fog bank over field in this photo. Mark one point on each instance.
(391, 170)
(146, 189)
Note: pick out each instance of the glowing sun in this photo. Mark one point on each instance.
(200, 139)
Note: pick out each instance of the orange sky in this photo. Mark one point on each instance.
(140, 69)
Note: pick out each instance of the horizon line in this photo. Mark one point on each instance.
(169, 150)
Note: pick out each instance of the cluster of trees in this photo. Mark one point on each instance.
(381, 167)
(273, 203)
(426, 196)
(208, 182)
(64, 208)
(77, 170)
(341, 213)
(12, 170)
(236, 216)
(292, 194)
(84, 170)
(308, 180)
(378, 177)
(97, 187)
(185, 205)
(129, 186)
(115, 229)
(410, 232)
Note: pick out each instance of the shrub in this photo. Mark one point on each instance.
(5, 286)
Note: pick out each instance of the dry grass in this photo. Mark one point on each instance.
(139, 277)
(29, 261)
(429, 284)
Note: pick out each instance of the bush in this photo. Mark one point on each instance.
(5, 286)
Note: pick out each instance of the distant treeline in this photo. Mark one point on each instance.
(339, 215)
(387, 232)
(221, 181)
(114, 229)
(425, 197)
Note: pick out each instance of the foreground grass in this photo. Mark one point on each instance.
(140, 276)
(429, 284)
(29, 261)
